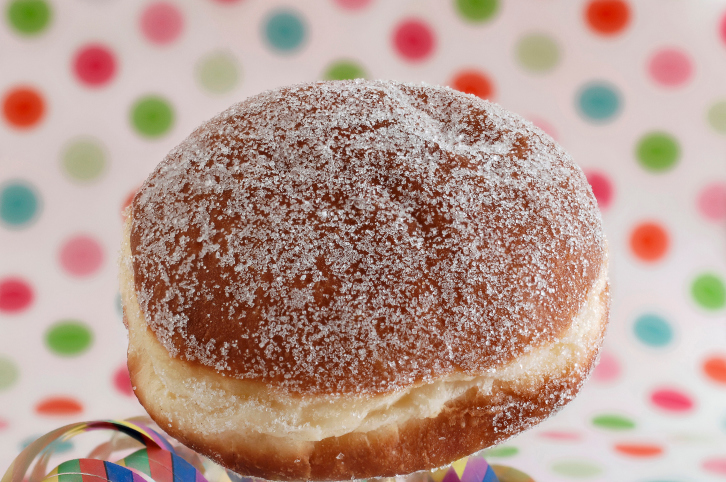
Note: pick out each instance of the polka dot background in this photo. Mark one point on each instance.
(93, 94)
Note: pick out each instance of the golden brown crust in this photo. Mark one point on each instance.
(466, 425)
(362, 238)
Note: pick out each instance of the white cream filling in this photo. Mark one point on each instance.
(213, 404)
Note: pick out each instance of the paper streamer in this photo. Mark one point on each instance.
(157, 462)
(468, 469)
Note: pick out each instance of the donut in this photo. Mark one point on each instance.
(360, 279)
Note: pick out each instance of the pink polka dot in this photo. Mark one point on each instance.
(122, 382)
(602, 188)
(712, 201)
(81, 256)
(670, 67)
(545, 126)
(3, 424)
(716, 466)
(414, 40)
(722, 28)
(161, 23)
(94, 65)
(15, 295)
(352, 4)
(671, 400)
(608, 369)
(561, 435)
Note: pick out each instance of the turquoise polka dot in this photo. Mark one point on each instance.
(599, 102)
(653, 330)
(285, 31)
(19, 203)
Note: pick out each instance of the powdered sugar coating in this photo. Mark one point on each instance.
(362, 237)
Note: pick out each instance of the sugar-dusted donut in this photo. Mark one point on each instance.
(353, 279)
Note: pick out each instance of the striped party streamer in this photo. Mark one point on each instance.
(158, 461)
(468, 469)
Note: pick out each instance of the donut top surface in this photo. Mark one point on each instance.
(363, 236)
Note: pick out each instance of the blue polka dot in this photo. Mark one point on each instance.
(58, 447)
(18, 203)
(653, 330)
(599, 101)
(285, 31)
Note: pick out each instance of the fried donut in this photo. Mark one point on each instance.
(354, 279)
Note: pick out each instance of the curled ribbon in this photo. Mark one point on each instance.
(159, 461)
(156, 462)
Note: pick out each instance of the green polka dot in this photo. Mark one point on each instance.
(709, 292)
(344, 70)
(119, 305)
(538, 52)
(477, 10)
(218, 72)
(285, 31)
(503, 451)
(717, 117)
(613, 422)
(68, 338)
(19, 204)
(658, 151)
(28, 17)
(152, 116)
(8, 373)
(84, 160)
(576, 468)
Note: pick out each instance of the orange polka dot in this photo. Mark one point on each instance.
(607, 17)
(23, 107)
(473, 82)
(715, 368)
(59, 406)
(649, 241)
(639, 450)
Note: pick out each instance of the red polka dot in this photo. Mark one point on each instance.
(671, 400)
(81, 256)
(94, 65)
(715, 368)
(608, 369)
(670, 67)
(602, 188)
(607, 17)
(561, 436)
(716, 466)
(649, 241)
(23, 107)
(15, 295)
(473, 82)
(352, 4)
(122, 382)
(639, 450)
(414, 40)
(161, 23)
(127, 202)
(712, 202)
(59, 406)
